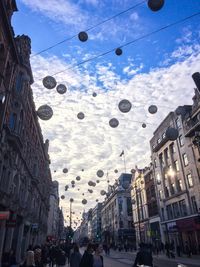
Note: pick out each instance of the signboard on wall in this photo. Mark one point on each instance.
(4, 215)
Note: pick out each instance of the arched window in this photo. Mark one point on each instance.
(21, 118)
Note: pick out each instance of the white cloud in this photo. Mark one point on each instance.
(134, 16)
(91, 144)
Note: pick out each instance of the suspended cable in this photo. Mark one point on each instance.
(89, 29)
(128, 43)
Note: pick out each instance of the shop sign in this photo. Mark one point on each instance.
(4, 215)
(35, 226)
(172, 227)
(11, 223)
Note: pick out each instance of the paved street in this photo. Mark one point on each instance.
(122, 259)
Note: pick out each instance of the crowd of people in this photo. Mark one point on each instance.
(51, 255)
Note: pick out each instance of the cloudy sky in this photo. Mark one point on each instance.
(161, 50)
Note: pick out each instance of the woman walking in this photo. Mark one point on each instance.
(97, 257)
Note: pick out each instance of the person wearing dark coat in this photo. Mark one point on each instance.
(87, 258)
(143, 257)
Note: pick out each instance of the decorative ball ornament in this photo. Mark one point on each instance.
(78, 178)
(82, 170)
(90, 191)
(45, 112)
(124, 106)
(100, 173)
(155, 5)
(83, 194)
(152, 109)
(61, 89)
(171, 134)
(94, 184)
(116, 171)
(72, 182)
(108, 181)
(80, 116)
(73, 185)
(71, 200)
(97, 200)
(84, 201)
(66, 187)
(78, 189)
(103, 192)
(62, 197)
(83, 36)
(113, 123)
(118, 51)
(49, 82)
(97, 181)
(65, 170)
(90, 183)
(94, 94)
(144, 125)
(54, 170)
(132, 170)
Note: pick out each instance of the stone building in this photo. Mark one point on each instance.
(53, 215)
(176, 170)
(116, 214)
(25, 176)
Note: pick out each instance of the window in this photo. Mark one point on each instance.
(194, 204)
(19, 81)
(178, 123)
(12, 121)
(166, 192)
(160, 194)
(180, 185)
(129, 206)
(159, 140)
(155, 165)
(176, 165)
(176, 209)
(181, 141)
(190, 180)
(183, 209)
(169, 212)
(164, 135)
(173, 189)
(173, 149)
(185, 159)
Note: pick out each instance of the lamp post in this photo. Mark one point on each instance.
(70, 217)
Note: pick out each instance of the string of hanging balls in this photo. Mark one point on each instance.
(45, 112)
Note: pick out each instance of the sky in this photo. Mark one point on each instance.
(160, 54)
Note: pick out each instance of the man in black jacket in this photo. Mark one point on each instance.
(144, 256)
(87, 259)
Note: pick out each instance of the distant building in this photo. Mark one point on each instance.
(96, 223)
(116, 214)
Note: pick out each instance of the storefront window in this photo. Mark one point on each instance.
(194, 204)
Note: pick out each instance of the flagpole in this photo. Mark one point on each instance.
(124, 162)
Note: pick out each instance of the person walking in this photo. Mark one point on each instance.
(29, 258)
(87, 259)
(97, 257)
(75, 257)
(143, 257)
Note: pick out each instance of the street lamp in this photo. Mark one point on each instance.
(70, 218)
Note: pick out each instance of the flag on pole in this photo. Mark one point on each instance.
(122, 153)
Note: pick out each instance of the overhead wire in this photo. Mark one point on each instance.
(128, 43)
(90, 28)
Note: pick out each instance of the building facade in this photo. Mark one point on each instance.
(176, 170)
(96, 223)
(53, 215)
(25, 176)
(116, 214)
(139, 206)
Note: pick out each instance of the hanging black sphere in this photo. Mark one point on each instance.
(118, 51)
(83, 36)
(155, 5)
